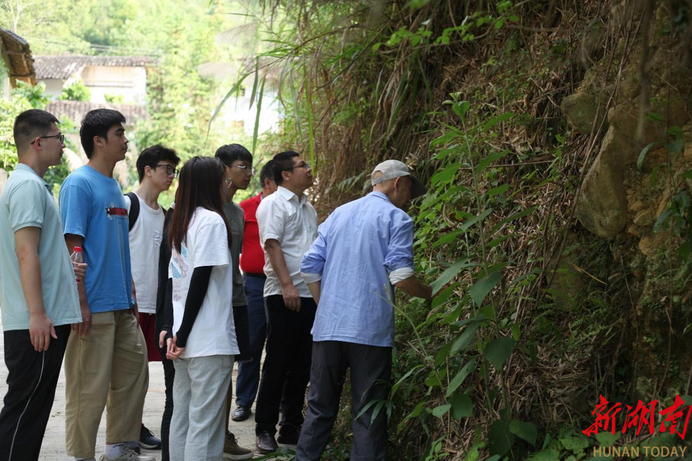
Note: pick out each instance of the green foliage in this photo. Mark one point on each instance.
(529, 314)
(22, 98)
(31, 94)
(677, 216)
(114, 98)
(180, 100)
(75, 91)
(374, 77)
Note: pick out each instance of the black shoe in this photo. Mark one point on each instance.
(266, 443)
(241, 414)
(148, 440)
(290, 438)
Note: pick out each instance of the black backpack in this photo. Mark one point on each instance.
(134, 209)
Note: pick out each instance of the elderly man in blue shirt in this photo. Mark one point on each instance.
(363, 250)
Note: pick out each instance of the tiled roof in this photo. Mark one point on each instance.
(64, 67)
(19, 55)
(76, 110)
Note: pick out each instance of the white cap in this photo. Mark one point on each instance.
(391, 169)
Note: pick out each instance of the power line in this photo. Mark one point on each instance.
(98, 47)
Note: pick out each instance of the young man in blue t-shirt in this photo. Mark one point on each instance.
(37, 287)
(106, 363)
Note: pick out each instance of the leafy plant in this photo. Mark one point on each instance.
(75, 91)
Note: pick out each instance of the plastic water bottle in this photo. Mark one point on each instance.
(77, 257)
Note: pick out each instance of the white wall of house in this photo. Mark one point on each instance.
(5, 85)
(128, 82)
(54, 87)
(237, 111)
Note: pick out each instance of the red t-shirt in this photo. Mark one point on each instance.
(252, 256)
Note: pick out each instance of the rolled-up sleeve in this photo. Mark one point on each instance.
(312, 264)
(399, 258)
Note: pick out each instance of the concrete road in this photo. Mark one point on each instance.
(53, 448)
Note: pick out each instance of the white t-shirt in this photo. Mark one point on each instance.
(206, 244)
(145, 241)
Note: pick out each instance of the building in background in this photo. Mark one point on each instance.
(113, 82)
(110, 79)
(239, 112)
(18, 66)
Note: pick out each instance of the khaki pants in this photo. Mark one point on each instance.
(106, 368)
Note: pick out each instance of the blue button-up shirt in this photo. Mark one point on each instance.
(356, 250)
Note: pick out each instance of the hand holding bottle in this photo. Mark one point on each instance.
(78, 263)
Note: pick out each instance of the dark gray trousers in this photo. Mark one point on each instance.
(371, 368)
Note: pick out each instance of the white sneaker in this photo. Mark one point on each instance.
(126, 454)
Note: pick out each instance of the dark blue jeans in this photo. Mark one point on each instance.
(370, 367)
(249, 372)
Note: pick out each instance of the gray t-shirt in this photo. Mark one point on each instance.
(27, 202)
(236, 219)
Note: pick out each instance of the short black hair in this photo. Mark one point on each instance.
(30, 124)
(283, 161)
(151, 156)
(266, 172)
(232, 152)
(97, 122)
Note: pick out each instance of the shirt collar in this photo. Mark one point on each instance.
(25, 167)
(379, 195)
(288, 195)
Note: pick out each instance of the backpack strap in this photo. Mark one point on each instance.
(134, 209)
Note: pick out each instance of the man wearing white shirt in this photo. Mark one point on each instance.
(287, 226)
(156, 167)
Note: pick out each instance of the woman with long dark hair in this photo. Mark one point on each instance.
(204, 341)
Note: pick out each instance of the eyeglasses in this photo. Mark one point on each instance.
(249, 171)
(305, 165)
(170, 169)
(60, 136)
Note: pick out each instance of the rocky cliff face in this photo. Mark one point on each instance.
(636, 106)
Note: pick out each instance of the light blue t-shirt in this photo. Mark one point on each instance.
(26, 201)
(356, 249)
(92, 206)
